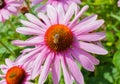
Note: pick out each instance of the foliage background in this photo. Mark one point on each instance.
(108, 71)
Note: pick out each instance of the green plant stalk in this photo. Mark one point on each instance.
(12, 53)
(13, 27)
(28, 5)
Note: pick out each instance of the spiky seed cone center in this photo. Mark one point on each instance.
(58, 37)
(15, 75)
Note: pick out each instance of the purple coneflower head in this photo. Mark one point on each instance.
(8, 7)
(60, 39)
(55, 3)
(13, 73)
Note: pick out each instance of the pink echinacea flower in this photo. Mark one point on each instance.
(14, 73)
(8, 7)
(61, 39)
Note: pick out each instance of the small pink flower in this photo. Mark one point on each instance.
(64, 3)
(8, 7)
(61, 39)
(14, 73)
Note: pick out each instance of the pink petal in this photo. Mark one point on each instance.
(15, 4)
(30, 55)
(84, 21)
(69, 13)
(52, 14)
(92, 48)
(74, 70)
(44, 18)
(88, 19)
(9, 1)
(35, 20)
(40, 59)
(27, 50)
(92, 58)
(8, 62)
(91, 36)
(67, 76)
(2, 76)
(3, 82)
(28, 31)
(83, 60)
(0, 17)
(61, 13)
(31, 25)
(34, 2)
(89, 27)
(45, 69)
(27, 82)
(56, 70)
(78, 15)
(4, 68)
(12, 9)
(26, 43)
(5, 14)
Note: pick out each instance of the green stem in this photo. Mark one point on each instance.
(13, 27)
(28, 5)
(12, 53)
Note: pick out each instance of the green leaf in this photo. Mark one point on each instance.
(99, 2)
(110, 36)
(116, 60)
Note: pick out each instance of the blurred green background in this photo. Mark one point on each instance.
(108, 71)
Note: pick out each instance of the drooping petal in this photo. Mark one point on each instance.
(83, 59)
(74, 70)
(30, 55)
(92, 48)
(67, 77)
(26, 43)
(31, 25)
(35, 20)
(12, 9)
(92, 58)
(15, 4)
(45, 69)
(29, 31)
(91, 36)
(40, 59)
(56, 70)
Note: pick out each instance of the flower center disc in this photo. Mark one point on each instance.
(58, 37)
(15, 75)
(2, 3)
